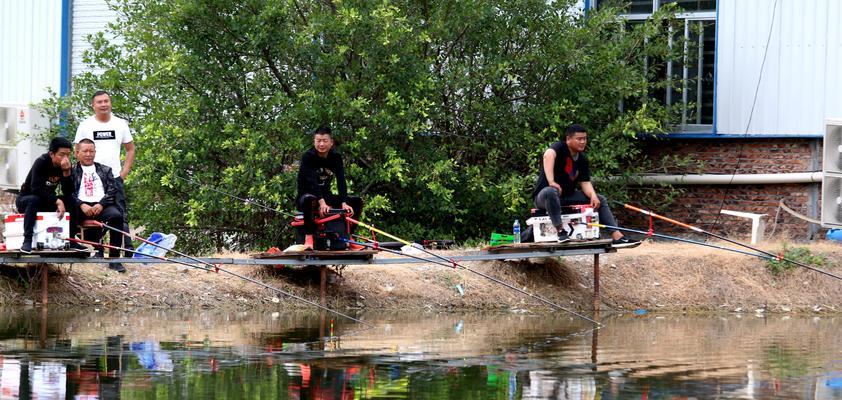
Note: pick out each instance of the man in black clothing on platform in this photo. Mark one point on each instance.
(38, 191)
(564, 165)
(95, 192)
(319, 165)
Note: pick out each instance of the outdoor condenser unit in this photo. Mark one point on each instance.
(832, 175)
(20, 127)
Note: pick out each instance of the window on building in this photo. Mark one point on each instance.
(634, 6)
(695, 72)
(694, 5)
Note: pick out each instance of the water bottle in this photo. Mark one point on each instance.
(516, 231)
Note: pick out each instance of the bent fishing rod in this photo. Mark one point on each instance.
(702, 231)
(386, 234)
(108, 246)
(233, 196)
(214, 268)
(453, 264)
(762, 255)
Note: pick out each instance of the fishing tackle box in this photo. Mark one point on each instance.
(49, 232)
(574, 218)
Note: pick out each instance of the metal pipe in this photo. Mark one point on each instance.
(729, 179)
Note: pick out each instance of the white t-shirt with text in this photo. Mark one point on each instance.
(109, 138)
(91, 189)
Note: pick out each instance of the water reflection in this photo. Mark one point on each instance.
(205, 354)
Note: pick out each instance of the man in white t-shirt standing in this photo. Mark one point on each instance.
(110, 134)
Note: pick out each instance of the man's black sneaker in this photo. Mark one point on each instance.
(562, 236)
(26, 247)
(77, 246)
(117, 267)
(99, 254)
(624, 242)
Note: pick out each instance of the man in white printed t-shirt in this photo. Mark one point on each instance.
(94, 192)
(110, 134)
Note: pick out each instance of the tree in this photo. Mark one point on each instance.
(442, 108)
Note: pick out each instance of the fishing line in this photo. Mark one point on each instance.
(214, 268)
(108, 246)
(244, 200)
(680, 239)
(750, 116)
(702, 231)
(453, 264)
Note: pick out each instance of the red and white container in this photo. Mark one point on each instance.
(576, 225)
(48, 234)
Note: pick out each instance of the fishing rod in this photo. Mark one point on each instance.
(391, 236)
(763, 255)
(213, 267)
(679, 239)
(453, 264)
(244, 200)
(702, 231)
(108, 246)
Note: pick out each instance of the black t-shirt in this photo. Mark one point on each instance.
(44, 178)
(315, 174)
(566, 170)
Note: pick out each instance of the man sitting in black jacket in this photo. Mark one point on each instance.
(38, 191)
(95, 191)
(319, 165)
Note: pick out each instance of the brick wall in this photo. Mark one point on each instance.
(700, 204)
(724, 156)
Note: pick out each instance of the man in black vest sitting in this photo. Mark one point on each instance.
(564, 165)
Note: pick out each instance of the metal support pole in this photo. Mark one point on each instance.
(596, 285)
(42, 337)
(814, 190)
(44, 283)
(323, 283)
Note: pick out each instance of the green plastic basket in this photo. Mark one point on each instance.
(501, 238)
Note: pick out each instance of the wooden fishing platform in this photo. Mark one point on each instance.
(549, 246)
(325, 259)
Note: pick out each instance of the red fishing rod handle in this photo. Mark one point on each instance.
(670, 220)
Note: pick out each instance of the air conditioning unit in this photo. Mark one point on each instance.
(20, 129)
(832, 175)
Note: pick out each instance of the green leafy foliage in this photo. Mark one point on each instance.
(441, 108)
(798, 254)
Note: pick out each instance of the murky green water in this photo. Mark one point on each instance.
(208, 354)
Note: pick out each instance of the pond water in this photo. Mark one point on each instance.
(86, 354)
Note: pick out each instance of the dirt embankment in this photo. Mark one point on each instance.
(654, 276)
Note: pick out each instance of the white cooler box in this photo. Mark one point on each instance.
(576, 225)
(48, 234)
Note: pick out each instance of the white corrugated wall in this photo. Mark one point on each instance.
(88, 17)
(30, 49)
(801, 83)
